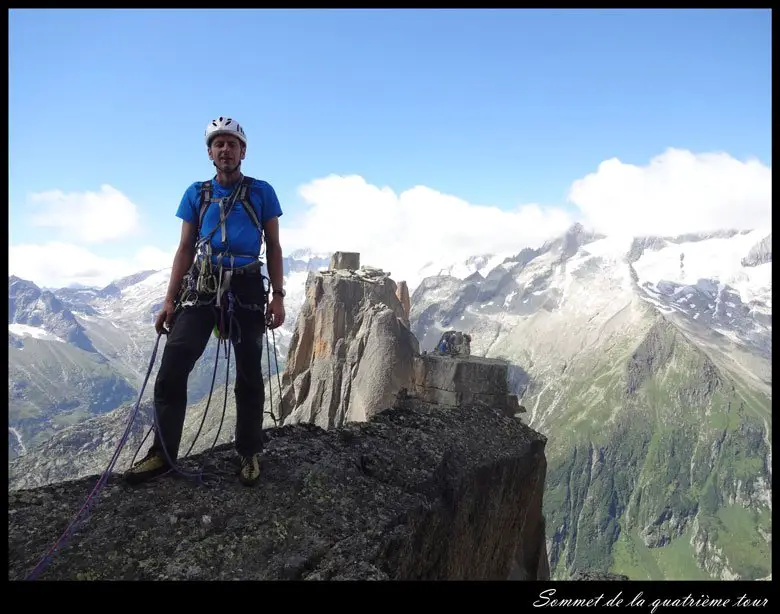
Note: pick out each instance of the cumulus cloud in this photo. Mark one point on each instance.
(57, 264)
(86, 217)
(416, 231)
(676, 193)
(401, 232)
(153, 258)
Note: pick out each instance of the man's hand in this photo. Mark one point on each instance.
(165, 317)
(274, 315)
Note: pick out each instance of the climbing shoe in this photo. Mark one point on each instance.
(250, 470)
(153, 465)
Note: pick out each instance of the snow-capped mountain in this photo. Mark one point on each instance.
(718, 281)
(42, 310)
(647, 363)
(78, 352)
(479, 265)
(580, 279)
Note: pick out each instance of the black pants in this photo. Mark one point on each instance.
(191, 331)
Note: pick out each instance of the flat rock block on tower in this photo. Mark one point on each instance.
(345, 260)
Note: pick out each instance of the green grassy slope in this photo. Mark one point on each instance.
(657, 466)
(56, 385)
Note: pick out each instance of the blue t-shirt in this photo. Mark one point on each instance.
(243, 239)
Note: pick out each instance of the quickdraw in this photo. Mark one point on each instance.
(208, 279)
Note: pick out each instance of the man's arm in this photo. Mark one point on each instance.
(182, 261)
(273, 250)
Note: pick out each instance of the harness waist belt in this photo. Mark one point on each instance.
(252, 267)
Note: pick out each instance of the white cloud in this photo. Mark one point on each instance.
(61, 264)
(402, 232)
(150, 257)
(88, 217)
(677, 192)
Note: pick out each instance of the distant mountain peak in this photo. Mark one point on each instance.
(13, 280)
(571, 241)
(127, 281)
(760, 253)
(306, 254)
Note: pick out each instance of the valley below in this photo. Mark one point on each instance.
(645, 362)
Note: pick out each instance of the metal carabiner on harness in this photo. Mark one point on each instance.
(206, 282)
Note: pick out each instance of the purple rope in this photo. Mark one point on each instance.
(46, 559)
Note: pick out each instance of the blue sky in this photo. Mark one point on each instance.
(498, 108)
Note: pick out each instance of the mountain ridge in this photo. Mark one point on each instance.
(88, 349)
(647, 363)
(605, 333)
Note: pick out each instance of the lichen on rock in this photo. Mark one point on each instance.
(416, 492)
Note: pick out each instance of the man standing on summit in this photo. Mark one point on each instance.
(217, 285)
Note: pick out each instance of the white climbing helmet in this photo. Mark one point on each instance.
(224, 125)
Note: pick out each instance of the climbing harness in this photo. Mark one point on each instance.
(200, 280)
(208, 280)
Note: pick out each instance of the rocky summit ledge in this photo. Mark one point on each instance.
(417, 492)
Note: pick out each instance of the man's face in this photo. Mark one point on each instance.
(226, 151)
